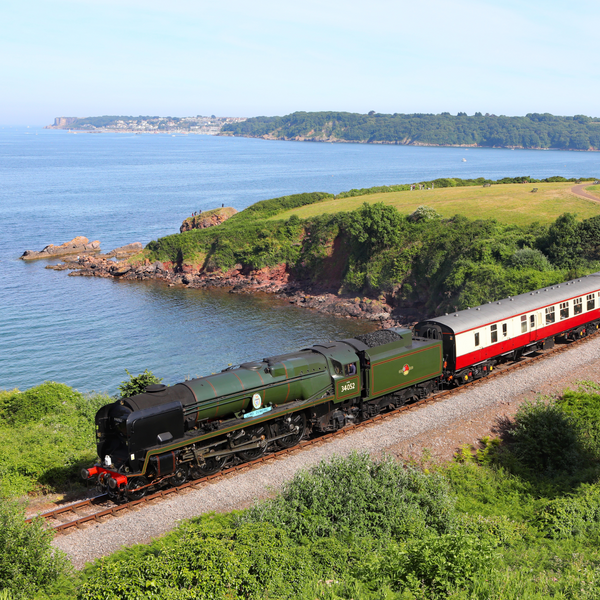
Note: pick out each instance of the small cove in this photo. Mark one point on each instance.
(125, 188)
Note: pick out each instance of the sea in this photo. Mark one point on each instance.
(122, 188)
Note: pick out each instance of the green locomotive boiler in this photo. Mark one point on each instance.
(192, 429)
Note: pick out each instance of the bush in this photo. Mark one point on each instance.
(356, 497)
(583, 405)
(28, 563)
(137, 383)
(18, 408)
(577, 514)
(424, 213)
(530, 258)
(546, 439)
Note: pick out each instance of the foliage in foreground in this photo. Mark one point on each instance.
(520, 520)
(28, 563)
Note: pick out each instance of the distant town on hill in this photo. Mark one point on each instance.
(204, 125)
(534, 130)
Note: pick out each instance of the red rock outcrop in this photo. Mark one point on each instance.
(208, 218)
(277, 280)
(78, 245)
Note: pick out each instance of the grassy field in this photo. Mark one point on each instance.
(510, 203)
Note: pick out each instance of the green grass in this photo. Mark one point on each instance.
(508, 203)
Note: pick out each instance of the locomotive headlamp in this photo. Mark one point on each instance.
(107, 460)
(118, 481)
(87, 473)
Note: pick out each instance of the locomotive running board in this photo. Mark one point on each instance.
(262, 443)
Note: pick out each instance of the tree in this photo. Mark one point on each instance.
(375, 225)
(563, 242)
(138, 383)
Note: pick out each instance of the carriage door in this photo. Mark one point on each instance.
(534, 323)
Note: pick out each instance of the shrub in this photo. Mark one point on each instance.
(19, 408)
(357, 497)
(424, 213)
(546, 439)
(577, 514)
(530, 258)
(28, 563)
(137, 383)
(431, 567)
(583, 405)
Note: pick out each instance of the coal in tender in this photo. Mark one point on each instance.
(378, 338)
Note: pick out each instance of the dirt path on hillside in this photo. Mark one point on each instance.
(579, 190)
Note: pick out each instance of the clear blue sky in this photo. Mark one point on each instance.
(261, 57)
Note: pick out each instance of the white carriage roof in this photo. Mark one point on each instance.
(501, 310)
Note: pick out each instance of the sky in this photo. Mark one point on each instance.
(247, 58)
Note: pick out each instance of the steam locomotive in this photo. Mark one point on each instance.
(167, 435)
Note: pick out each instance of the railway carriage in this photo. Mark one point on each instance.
(476, 339)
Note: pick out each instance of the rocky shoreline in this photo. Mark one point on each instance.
(277, 280)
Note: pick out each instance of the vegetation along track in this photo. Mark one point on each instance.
(108, 509)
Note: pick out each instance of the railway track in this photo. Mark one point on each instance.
(99, 508)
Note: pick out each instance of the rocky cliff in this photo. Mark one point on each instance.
(208, 218)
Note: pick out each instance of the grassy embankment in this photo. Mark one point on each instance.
(381, 241)
(514, 520)
(47, 435)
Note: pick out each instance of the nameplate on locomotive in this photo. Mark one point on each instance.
(256, 413)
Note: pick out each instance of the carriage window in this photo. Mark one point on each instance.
(350, 369)
(477, 339)
(524, 323)
(494, 333)
(564, 310)
(504, 329)
(532, 321)
(550, 316)
(591, 301)
(577, 306)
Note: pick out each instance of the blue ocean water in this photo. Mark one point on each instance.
(121, 188)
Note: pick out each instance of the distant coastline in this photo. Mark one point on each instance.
(534, 131)
(198, 125)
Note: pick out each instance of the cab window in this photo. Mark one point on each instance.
(337, 367)
(350, 369)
